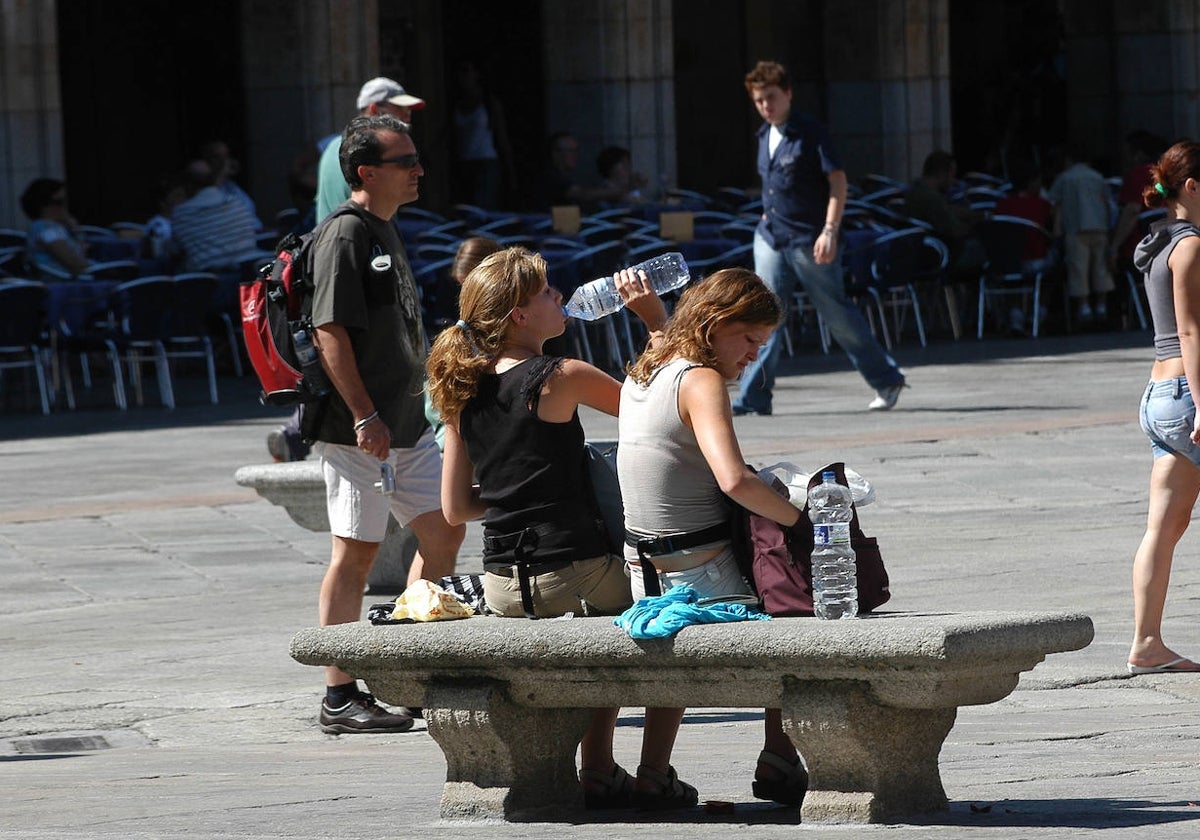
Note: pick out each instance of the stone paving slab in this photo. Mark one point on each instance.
(148, 603)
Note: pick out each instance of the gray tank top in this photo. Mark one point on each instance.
(1151, 258)
(666, 485)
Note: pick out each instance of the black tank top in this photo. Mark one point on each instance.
(532, 474)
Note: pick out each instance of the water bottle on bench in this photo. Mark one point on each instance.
(834, 567)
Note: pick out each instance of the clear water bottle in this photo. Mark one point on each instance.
(316, 383)
(599, 298)
(834, 573)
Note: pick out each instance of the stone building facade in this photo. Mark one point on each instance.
(112, 95)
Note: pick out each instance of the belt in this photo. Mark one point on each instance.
(648, 547)
(670, 543)
(521, 544)
(533, 569)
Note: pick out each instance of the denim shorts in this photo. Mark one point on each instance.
(719, 576)
(1168, 415)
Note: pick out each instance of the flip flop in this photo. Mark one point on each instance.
(1165, 668)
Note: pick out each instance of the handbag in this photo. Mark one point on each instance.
(777, 561)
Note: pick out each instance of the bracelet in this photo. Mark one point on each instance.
(829, 228)
(366, 421)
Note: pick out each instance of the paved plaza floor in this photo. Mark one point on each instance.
(148, 602)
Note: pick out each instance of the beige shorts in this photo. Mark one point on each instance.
(357, 510)
(598, 586)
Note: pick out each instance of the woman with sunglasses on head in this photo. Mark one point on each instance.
(1169, 257)
(679, 458)
(512, 423)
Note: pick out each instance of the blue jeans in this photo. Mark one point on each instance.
(1167, 414)
(823, 284)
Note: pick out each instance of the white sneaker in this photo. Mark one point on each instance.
(885, 398)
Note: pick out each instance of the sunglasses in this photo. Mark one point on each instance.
(403, 161)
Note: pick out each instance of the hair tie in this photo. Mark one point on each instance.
(466, 331)
(1160, 189)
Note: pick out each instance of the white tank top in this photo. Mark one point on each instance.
(666, 485)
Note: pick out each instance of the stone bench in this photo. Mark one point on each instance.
(299, 488)
(868, 703)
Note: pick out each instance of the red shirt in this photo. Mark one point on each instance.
(1135, 180)
(1035, 209)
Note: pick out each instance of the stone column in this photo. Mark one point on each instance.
(30, 108)
(609, 75)
(888, 71)
(303, 65)
(1131, 66)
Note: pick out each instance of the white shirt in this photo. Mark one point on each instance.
(774, 138)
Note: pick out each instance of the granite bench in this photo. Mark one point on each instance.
(868, 703)
(299, 488)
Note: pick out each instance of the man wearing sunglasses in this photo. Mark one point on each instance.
(380, 95)
(367, 321)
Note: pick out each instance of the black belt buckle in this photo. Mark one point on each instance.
(655, 546)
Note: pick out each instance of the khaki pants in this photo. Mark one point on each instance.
(598, 586)
(1087, 260)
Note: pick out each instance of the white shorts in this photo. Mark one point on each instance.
(357, 510)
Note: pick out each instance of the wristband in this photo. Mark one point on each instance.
(366, 421)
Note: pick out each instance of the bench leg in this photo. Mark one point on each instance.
(504, 761)
(866, 762)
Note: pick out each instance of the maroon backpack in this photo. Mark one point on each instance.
(777, 561)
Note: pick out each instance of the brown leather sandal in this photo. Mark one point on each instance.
(789, 788)
(671, 793)
(602, 792)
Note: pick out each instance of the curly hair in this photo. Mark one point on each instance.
(461, 353)
(731, 294)
(767, 73)
(1178, 163)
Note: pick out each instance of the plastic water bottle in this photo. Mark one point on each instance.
(315, 380)
(834, 573)
(598, 298)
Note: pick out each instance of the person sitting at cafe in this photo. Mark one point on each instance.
(214, 231)
(51, 243)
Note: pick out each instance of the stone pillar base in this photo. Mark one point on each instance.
(389, 573)
(866, 762)
(504, 761)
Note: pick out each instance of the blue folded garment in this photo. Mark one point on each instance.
(665, 615)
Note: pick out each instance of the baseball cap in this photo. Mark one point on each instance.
(383, 89)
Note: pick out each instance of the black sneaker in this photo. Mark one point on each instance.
(362, 714)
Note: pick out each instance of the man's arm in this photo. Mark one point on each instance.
(825, 248)
(337, 357)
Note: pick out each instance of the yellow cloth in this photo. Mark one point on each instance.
(426, 601)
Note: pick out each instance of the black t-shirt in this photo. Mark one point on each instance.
(532, 474)
(364, 284)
